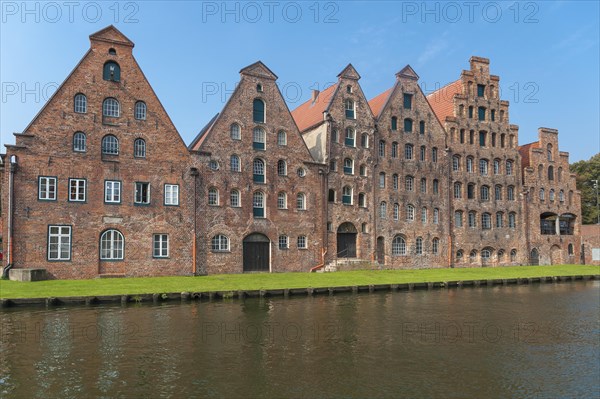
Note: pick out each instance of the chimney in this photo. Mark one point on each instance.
(315, 94)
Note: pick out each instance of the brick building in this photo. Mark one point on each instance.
(410, 173)
(101, 175)
(590, 244)
(487, 223)
(552, 203)
(260, 193)
(100, 183)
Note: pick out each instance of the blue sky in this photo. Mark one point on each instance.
(546, 53)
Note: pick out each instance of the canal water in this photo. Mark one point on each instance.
(498, 342)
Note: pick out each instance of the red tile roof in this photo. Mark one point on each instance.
(442, 100)
(311, 113)
(524, 152)
(378, 102)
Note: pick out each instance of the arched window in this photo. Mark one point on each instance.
(282, 167)
(549, 152)
(258, 170)
(456, 163)
(486, 221)
(459, 255)
(570, 250)
(347, 195)
(139, 148)
(362, 200)
(473, 256)
(472, 219)
(423, 154)
(235, 132)
(436, 216)
(79, 142)
(111, 71)
(422, 127)
(434, 154)
(408, 151)
(509, 167)
(258, 110)
(399, 246)
(381, 148)
(483, 167)
(112, 245)
(498, 192)
(219, 243)
(502, 136)
(334, 136)
(513, 255)
(111, 108)
(496, 166)
(408, 125)
(383, 210)
(423, 185)
(542, 194)
(110, 145)
(485, 193)
(470, 161)
(561, 196)
(213, 196)
(363, 170)
(140, 110)
(510, 193)
(282, 199)
(409, 182)
(284, 241)
(394, 123)
(435, 245)
(80, 103)
(550, 172)
(396, 211)
(499, 220)
(512, 220)
(281, 138)
(410, 212)
(301, 201)
(395, 182)
(348, 166)
(382, 180)
(234, 198)
(551, 195)
(471, 190)
(349, 106)
(419, 246)
(258, 138)
(458, 219)
(394, 150)
(258, 204)
(486, 255)
(424, 215)
(234, 163)
(364, 140)
(350, 139)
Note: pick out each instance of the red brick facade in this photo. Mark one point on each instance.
(104, 184)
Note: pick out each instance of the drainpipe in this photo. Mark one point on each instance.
(194, 172)
(9, 255)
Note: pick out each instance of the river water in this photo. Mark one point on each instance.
(498, 342)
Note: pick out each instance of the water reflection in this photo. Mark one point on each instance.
(516, 341)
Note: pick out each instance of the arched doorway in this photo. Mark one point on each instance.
(380, 250)
(346, 240)
(555, 255)
(257, 253)
(534, 257)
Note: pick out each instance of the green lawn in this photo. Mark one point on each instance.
(234, 282)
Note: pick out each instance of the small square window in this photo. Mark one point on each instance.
(47, 188)
(77, 190)
(142, 193)
(171, 194)
(59, 243)
(160, 247)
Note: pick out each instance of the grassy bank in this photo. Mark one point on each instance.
(234, 282)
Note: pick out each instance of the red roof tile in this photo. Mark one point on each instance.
(378, 102)
(311, 113)
(524, 152)
(442, 100)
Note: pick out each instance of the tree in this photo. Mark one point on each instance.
(587, 172)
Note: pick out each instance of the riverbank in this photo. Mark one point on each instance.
(162, 288)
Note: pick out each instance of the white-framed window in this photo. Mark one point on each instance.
(171, 194)
(258, 170)
(110, 145)
(395, 182)
(348, 166)
(458, 219)
(301, 201)
(140, 110)
(423, 185)
(509, 167)
(282, 167)
(436, 216)
(350, 110)
(394, 150)
(485, 193)
(281, 200)
(302, 242)
(111, 107)
(112, 192)
(483, 167)
(510, 193)
(347, 194)
(512, 220)
(470, 164)
(435, 245)
(213, 196)
(219, 243)
(80, 103)
(281, 138)
(79, 142)
(213, 164)
(362, 200)
(408, 151)
(363, 170)
(383, 210)
(457, 190)
(47, 188)
(350, 139)
(472, 219)
(59, 243)
(77, 190)
(381, 148)
(486, 221)
(410, 212)
(234, 198)
(398, 246)
(382, 180)
(139, 148)
(409, 183)
(301, 172)
(455, 163)
(396, 212)
(160, 245)
(142, 193)
(258, 138)
(499, 220)
(112, 245)
(419, 246)
(284, 242)
(424, 215)
(258, 204)
(234, 163)
(496, 166)
(235, 132)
